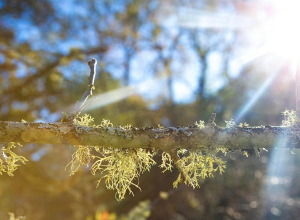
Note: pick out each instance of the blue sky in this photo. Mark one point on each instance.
(185, 73)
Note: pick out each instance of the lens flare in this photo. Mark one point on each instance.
(247, 106)
(122, 93)
(279, 177)
(282, 29)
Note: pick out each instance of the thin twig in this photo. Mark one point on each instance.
(212, 119)
(88, 92)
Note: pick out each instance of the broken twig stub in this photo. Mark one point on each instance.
(88, 92)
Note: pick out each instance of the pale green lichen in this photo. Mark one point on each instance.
(290, 118)
(82, 123)
(83, 156)
(106, 123)
(122, 167)
(160, 126)
(8, 159)
(84, 120)
(243, 125)
(230, 124)
(198, 164)
(200, 124)
(245, 153)
(166, 163)
(194, 164)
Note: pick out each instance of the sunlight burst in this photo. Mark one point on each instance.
(282, 29)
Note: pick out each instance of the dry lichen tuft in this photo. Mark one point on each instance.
(8, 159)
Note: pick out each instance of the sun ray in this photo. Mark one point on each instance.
(255, 97)
(278, 182)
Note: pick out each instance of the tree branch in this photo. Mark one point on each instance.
(147, 137)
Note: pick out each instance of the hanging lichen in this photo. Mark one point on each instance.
(82, 156)
(166, 163)
(121, 168)
(8, 159)
(195, 164)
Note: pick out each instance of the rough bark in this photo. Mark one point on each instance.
(148, 137)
